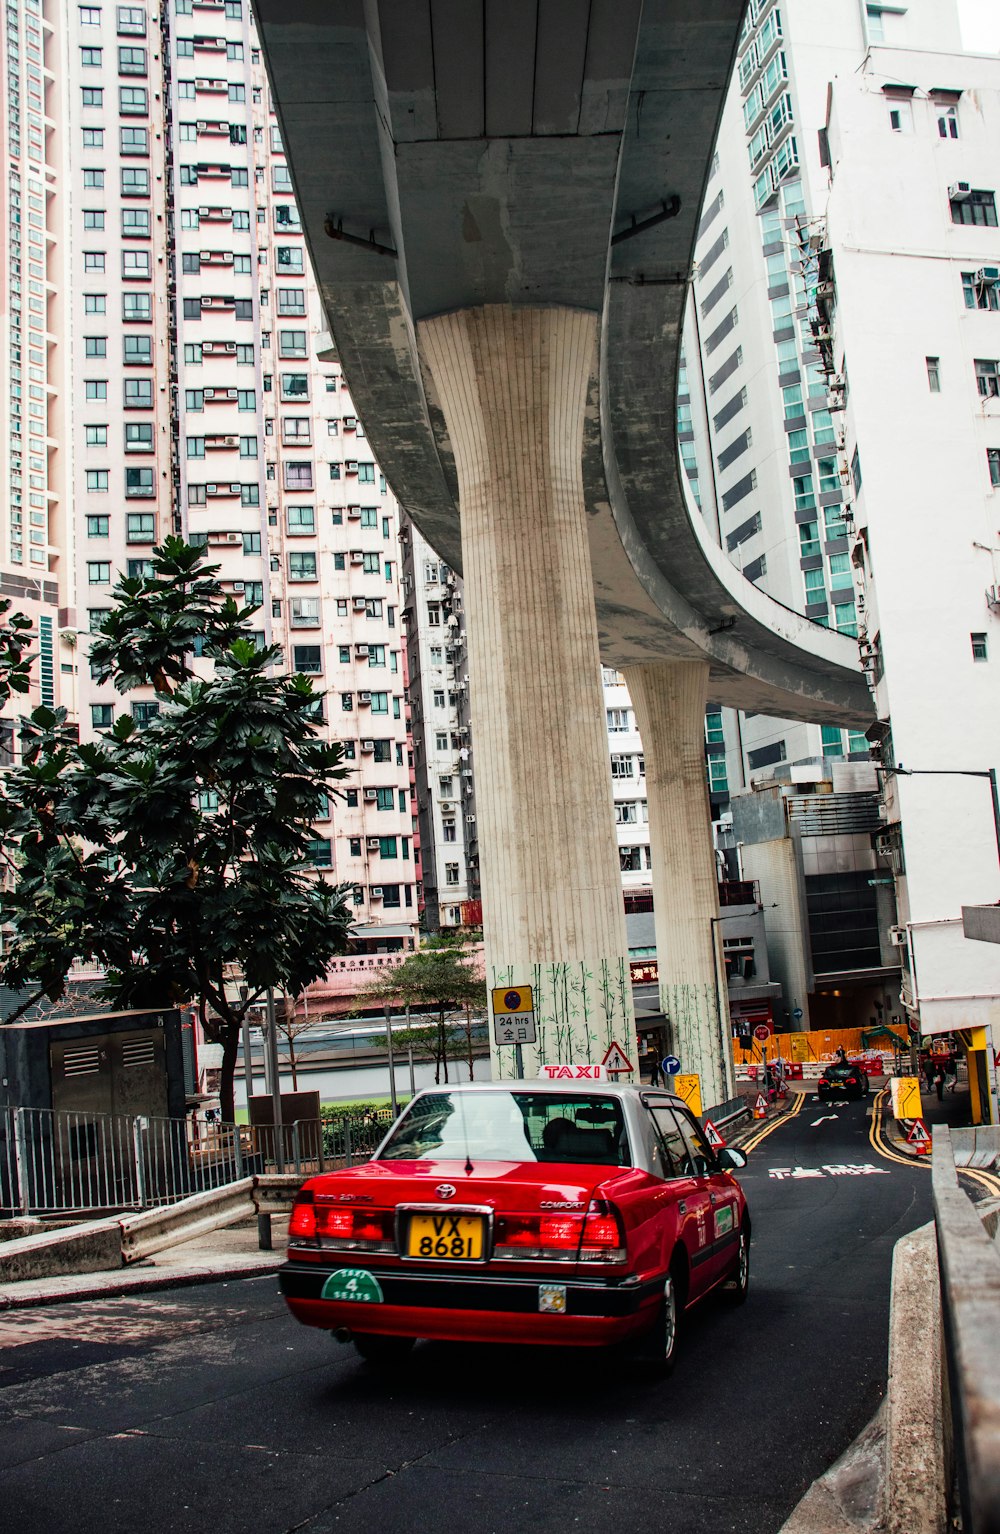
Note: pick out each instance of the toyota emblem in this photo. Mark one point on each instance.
(445, 1190)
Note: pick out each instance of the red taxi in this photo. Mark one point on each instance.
(531, 1212)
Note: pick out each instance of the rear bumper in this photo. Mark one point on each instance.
(481, 1308)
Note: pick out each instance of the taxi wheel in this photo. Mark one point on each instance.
(656, 1351)
(386, 1352)
(737, 1287)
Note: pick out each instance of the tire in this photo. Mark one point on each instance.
(384, 1352)
(737, 1288)
(656, 1350)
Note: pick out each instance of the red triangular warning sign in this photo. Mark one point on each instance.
(918, 1134)
(616, 1062)
(713, 1136)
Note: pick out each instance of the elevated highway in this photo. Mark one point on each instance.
(501, 199)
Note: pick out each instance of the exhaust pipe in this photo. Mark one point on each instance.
(342, 1334)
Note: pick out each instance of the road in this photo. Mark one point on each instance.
(208, 1408)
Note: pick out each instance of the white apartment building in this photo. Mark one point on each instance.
(442, 735)
(184, 384)
(911, 291)
(760, 392)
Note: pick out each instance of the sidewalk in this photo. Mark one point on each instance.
(224, 1254)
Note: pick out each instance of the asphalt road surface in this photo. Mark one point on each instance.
(209, 1409)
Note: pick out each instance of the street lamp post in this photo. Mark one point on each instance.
(392, 1063)
(957, 772)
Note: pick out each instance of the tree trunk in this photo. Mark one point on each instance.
(443, 1043)
(229, 1038)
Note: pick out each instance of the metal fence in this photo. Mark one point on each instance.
(62, 1163)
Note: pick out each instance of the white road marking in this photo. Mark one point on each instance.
(826, 1119)
(830, 1169)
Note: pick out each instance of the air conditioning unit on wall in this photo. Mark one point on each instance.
(897, 937)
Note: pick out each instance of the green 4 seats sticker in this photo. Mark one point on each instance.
(353, 1284)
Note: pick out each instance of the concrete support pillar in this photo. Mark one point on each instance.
(669, 700)
(512, 386)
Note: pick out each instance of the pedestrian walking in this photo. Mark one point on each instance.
(939, 1081)
(652, 1063)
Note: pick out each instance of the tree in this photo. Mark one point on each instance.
(437, 978)
(16, 636)
(177, 856)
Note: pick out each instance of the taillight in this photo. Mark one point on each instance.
(597, 1237)
(537, 1238)
(302, 1221)
(603, 1236)
(355, 1230)
(851, 1081)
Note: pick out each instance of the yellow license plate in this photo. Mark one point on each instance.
(455, 1237)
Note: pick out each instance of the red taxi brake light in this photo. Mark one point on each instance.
(302, 1222)
(603, 1236)
(355, 1230)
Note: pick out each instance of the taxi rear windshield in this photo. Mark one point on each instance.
(578, 1129)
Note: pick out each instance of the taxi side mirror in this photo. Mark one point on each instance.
(731, 1159)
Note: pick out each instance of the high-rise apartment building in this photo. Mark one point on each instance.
(761, 421)
(438, 666)
(35, 402)
(169, 372)
(909, 292)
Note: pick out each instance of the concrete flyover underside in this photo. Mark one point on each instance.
(507, 152)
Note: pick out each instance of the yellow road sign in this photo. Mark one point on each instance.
(906, 1097)
(688, 1089)
(508, 999)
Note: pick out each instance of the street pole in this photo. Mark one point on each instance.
(272, 1060)
(392, 1063)
(247, 1066)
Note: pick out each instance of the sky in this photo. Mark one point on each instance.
(980, 25)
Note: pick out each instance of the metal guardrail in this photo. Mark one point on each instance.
(728, 1113)
(69, 1163)
(969, 1265)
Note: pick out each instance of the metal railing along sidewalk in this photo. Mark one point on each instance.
(969, 1265)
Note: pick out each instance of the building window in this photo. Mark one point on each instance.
(93, 138)
(140, 526)
(975, 208)
(308, 659)
(137, 307)
(96, 436)
(138, 436)
(132, 21)
(856, 471)
(135, 181)
(934, 374)
(132, 61)
(133, 101)
(622, 766)
(300, 520)
(137, 351)
(144, 713)
(618, 719)
(98, 572)
(988, 377)
(292, 343)
(102, 716)
(298, 475)
(980, 649)
(134, 141)
(138, 393)
(96, 388)
(980, 291)
(98, 527)
(97, 481)
(91, 96)
(947, 120)
(993, 464)
(302, 565)
(93, 218)
(95, 346)
(139, 485)
(900, 116)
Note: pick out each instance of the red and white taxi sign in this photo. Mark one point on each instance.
(573, 1073)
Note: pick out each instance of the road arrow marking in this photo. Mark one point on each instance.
(827, 1117)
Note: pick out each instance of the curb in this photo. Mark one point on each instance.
(133, 1281)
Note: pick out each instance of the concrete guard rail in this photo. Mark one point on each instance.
(100, 1245)
(969, 1266)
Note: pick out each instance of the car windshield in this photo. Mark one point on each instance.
(501, 1125)
(840, 1072)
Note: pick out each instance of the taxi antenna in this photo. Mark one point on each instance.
(468, 1168)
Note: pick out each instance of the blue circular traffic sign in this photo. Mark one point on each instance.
(797, 1014)
(512, 1000)
(671, 1065)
